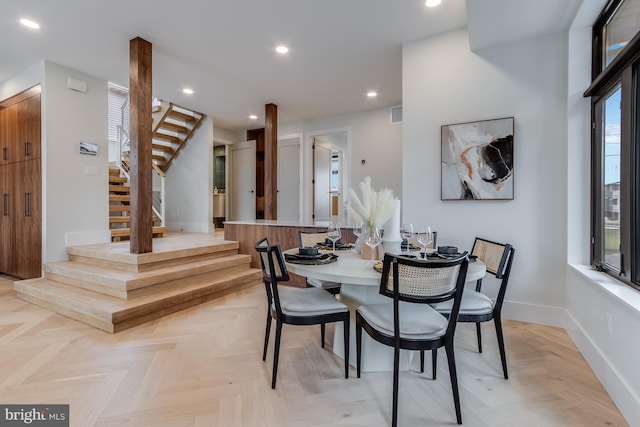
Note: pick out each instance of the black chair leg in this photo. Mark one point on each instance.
(358, 346)
(479, 333)
(346, 326)
(454, 381)
(276, 354)
(266, 337)
(422, 361)
(396, 373)
(322, 335)
(503, 355)
(434, 362)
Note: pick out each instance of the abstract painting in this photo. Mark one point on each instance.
(477, 160)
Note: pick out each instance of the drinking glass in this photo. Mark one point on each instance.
(425, 239)
(357, 229)
(373, 240)
(407, 232)
(334, 233)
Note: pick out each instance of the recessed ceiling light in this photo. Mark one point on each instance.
(282, 49)
(188, 91)
(253, 117)
(372, 94)
(432, 3)
(30, 24)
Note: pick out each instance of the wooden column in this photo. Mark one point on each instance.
(271, 161)
(140, 62)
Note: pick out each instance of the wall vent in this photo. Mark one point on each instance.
(396, 114)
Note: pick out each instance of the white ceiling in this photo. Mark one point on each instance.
(224, 49)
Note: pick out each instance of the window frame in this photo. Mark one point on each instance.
(624, 70)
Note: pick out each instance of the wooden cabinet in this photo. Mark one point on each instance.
(21, 189)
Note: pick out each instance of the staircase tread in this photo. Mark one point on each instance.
(109, 305)
(127, 231)
(165, 137)
(128, 280)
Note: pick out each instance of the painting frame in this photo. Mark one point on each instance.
(477, 161)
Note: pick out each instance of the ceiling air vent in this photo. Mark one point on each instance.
(396, 114)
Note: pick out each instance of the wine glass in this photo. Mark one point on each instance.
(425, 239)
(407, 232)
(373, 240)
(333, 234)
(357, 229)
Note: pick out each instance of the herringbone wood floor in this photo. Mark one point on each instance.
(203, 367)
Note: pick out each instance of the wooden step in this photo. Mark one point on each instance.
(123, 219)
(112, 314)
(158, 157)
(119, 208)
(122, 232)
(163, 148)
(183, 117)
(114, 171)
(119, 198)
(119, 189)
(165, 137)
(127, 284)
(173, 127)
(117, 179)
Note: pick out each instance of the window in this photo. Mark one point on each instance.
(615, 142)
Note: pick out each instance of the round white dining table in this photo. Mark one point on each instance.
(360, 286)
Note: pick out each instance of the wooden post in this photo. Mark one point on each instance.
(140, 95)
(271, 161)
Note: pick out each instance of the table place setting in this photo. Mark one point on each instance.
(310, 256)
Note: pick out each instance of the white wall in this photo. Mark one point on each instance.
(594, 300)
(445, 83)
(189, 184)
(75, 202)
(373, 138)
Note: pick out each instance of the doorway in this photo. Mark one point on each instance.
(330, 174)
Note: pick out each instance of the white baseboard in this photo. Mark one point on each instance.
(534, 313)
(75, 238)
(188, 227)
(615, 384)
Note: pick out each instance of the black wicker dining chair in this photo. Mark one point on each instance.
(477, 307)
(310, 239)
(408, 321)
(295, 306)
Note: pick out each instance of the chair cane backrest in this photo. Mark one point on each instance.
(420, 280)
(494, 255)
(311, 238)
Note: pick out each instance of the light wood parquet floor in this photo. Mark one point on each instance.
(202, 367)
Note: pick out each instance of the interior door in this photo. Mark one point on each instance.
(321, 182)
(243, 181)
(289, 179)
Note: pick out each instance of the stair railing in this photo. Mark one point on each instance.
(124, 147)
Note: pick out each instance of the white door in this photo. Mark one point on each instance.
(243, 181)
(289, 179)
(321, 182)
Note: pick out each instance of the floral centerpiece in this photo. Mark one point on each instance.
(373, 208)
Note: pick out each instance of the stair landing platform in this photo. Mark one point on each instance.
(109, 288)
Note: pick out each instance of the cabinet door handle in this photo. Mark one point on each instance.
(5, 153)
(27, 148)
(27, 204)
(5, 204)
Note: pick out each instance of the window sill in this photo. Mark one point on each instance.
(615, 289)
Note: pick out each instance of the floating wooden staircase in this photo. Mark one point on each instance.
(109, 288)
(172, 129)
(120, 208)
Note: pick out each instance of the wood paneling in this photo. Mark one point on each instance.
(140, 95)
(21, 188)
(271, 162)
(286, 236)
